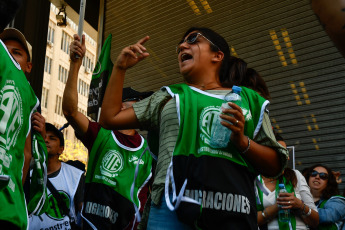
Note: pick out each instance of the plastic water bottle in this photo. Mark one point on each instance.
(283, 214)
(220, 135)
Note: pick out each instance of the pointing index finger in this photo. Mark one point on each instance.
(143, 40)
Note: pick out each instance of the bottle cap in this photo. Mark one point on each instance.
(236, 89)
(281, 186)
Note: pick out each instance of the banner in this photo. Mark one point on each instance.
(99, 81)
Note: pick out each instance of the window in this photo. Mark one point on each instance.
(48, 65)
(63, 74)
(50, 35)
(45, 64)
(79, 87)
(59, 75)
(83, 88)
(66, 75)
(65, 41)
(58, 105)
(62, 39)
(88, 62)
(44, 99)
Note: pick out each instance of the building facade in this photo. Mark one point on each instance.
(56, 69)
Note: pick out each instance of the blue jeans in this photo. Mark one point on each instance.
(161, 218)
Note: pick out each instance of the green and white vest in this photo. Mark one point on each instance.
(114, 178)
(66, 183)
(17, 102)
(213, 188)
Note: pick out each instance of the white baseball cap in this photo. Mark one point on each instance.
(13, 33)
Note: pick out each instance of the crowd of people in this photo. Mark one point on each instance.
(173, 180)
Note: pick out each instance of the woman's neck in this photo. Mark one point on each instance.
(316, 195)
(269, 183)
(205, 80)
(208, 86)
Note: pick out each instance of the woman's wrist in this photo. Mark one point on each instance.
(306, 210)
(119, 68)
(301, 206)
(271, 212)
(243, 145)
(264, 215)
(247, 148)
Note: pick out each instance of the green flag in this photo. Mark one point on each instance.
(100, 77)
(38, 203)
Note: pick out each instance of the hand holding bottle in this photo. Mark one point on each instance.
(234, 115)
(284, 211)
(289, 201)
(230, 122)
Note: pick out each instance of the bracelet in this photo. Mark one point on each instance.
(309, 212)
(303, 210)
(264, 215)
(248, 147)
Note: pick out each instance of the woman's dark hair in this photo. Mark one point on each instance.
(233, 70)
(332, 185)
(223, 46)
(289, 174)
(255, 82)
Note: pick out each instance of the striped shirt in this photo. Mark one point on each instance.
(158, 113)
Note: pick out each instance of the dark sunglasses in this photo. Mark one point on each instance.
(322, 175)
(191, 39)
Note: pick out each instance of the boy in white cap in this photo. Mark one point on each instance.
(18, 47)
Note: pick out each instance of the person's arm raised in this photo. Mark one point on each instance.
(112, 117)
(77, 120)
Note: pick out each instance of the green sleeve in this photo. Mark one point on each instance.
(148, 110)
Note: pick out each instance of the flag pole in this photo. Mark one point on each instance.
(81, 20)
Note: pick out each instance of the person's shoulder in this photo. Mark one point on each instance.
(251, 93)
(337, 199)
(298, 173)
(158, 97)
(161, 92)
(74, 165)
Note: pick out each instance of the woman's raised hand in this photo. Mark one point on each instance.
(132, 54)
